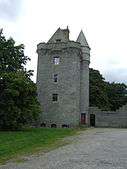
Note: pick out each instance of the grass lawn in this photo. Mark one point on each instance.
(15, 144)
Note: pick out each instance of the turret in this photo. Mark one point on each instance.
(85, 46)
(84, 78)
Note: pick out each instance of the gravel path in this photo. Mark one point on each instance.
(92, 149)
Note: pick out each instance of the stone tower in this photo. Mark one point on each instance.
(63, 80)
(84, 76)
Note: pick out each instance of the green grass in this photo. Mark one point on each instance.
(16, 144)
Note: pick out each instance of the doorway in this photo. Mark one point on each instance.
(83, 118)
(92, 120)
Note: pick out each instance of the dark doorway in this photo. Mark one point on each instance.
(92, 120)
(83, 118)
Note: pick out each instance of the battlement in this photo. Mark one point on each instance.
(60, 45)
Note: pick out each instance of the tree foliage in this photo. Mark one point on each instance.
(12, 57)
(105, 95)
(116, 94)
(98, 95)
(18, 97)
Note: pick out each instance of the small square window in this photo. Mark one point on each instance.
(56, 60)
(55, 77)
(55, 97)
(58, 40)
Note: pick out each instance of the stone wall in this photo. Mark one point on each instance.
(116, 118)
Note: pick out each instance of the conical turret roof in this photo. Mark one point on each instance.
(82, 39)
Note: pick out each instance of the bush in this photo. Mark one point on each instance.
(18, 101)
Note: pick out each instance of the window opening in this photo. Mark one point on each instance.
(56, 60)
(53, 126)
(58, 40)
(55, 77)
(55, 97)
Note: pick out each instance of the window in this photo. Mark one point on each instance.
(53, 126)
(55, 77)
(55, 97)
(58, 40)
(56, 60)
(65, 126)
(43, 124)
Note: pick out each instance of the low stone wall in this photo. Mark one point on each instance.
(116, 118)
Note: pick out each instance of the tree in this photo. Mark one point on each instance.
(18, 97)
(98, 95)
(116, 95)
(105, 95)
(12, 57)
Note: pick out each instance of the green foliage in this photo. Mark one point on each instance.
(12, 57)
(116, 95)
(13, 144)
(98, 95)
(18, 98)
(105, 95)
(18, 101)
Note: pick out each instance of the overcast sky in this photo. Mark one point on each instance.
(104, 23)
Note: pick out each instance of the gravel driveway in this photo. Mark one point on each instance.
(92, 149)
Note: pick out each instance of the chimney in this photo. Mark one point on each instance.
(66, 33)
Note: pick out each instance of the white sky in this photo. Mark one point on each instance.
(104, 23)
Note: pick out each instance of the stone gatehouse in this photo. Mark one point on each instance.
(63, 80)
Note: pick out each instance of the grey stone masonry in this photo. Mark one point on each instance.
(116, 118)
(66, 97)
(84, 75)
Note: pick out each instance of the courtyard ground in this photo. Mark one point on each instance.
(93, 149)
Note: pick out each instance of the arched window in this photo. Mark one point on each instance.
(65, 126)
(43, 125)
(53, 126)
